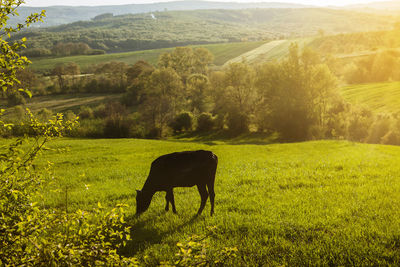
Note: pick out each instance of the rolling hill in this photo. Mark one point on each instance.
(177, 28)
(222, 53)
(379, 97)
(57, 15)
(275, 50)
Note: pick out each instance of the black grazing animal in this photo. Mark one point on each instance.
(180, 169)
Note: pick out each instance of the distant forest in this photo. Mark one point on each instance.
(110, 33)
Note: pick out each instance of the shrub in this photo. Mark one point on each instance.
(69, 115)
(391, 138)
(153, 133)
(15, 98)
(358, 125)
(379, 129)
(238, 123)
(36, 52)
(195, 251)
(45, 114)
(205, 122)
(96, 52)
(100, 111)
(90, 128)
(117, 127)
(182, 122)
(19, 112)
(30, 234)
(86, 113)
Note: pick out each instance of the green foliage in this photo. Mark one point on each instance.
(32, 234)
(222, 53)
(238, 122)
(182, 121)
(205, 122)
(235, 95)
(164, 94)
(379, 67)
(194, 250)
(68, 49)
(10, 60)
(141, 31)
(356, 42)
(296, 95)
(86, 112)
(36, 52)
(44, 114)
(117, 127)
(187, 61)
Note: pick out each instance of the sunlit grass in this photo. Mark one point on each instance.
(319, 203)
(379, 97)
(222, 53)
(275, 50)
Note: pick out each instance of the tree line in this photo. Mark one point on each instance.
(296, 98)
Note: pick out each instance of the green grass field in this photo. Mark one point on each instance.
(63, 103)
(222, 53)
(380, 97)
(314, 203)
(275, 50)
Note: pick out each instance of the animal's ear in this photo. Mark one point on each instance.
(138, 191)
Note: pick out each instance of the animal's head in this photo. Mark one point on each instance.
(142, 202)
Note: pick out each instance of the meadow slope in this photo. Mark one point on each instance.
(318, 203)
(222, 53)
(274, 50)
(379, 97)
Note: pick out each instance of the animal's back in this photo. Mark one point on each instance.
(183, 169)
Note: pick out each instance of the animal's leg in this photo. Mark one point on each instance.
(172, 200)
(204, 195)
(211, 192)
(167, 198)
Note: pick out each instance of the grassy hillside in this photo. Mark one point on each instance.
(175, 28)
(318, 203)
(356, 42)
(56, 15)
(380, 97)
(275, 50)
(222, 53)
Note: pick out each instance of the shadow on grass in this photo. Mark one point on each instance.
(143, 236)
(225, 137)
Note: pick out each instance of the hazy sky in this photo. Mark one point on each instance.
(120, 2)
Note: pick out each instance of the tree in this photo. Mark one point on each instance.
(294, 95)
(186, 61)
(139, 68)
(116, 71)
(197, 89)
(59, 72)
(235, 95)
(164, 98)
(181, 122)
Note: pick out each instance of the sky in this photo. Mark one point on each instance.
(121, 2)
